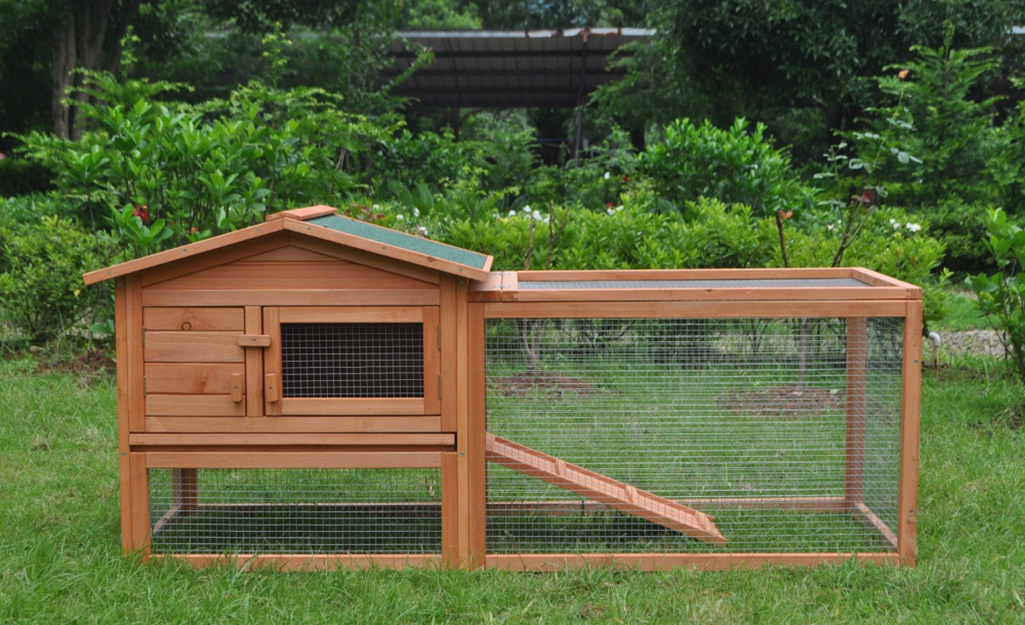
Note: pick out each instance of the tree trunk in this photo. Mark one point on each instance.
(92, 22)
(64, 60)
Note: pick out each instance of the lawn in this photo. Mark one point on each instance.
(60, 559)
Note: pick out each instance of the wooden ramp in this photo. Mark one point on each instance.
(603, 489)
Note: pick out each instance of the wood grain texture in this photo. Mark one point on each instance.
(191, 378)
(293, 460)
(907, 504)
(199, 319)
(304, 297)
(693, 309)
(189, 405)
(167, 346)
(284, 425)
(434, 439)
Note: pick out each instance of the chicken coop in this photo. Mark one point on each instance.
(317, 391)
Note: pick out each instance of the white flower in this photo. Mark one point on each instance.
(610, 211)
(416, 212)
(422, 230)
(894, 223)
(607, 175)
(830, 227)
(536, 216)
(512, 213)
(913, 227)
(399, 217)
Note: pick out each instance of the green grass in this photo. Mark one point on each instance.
(60, 559)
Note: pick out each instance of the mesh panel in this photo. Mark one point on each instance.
(624, 434)
(295, 511)
(352, 359)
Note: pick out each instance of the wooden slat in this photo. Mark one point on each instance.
(602, 488)
(179, 318)
(857, 356)
(693, 310)
(432, 361)
(287, 276)
(476, 490)
(122, 350)
(302, 214)
(363, 423)
(253, 340)
(305, 297)
(449, 328)
(185, 251)
(451, 551)
(191, 378)
(136, 370)
(314, 406)
(222, 256)
(294, 460)
(271, 361)
(254, 364)
(289, 254)
(321, 439)
(350, 314)
(873, 520)
(309, 562)
(770, 273)
(187, 405)
(667, 561)
(166, 346)
(907, 504)
(139, 486)
(746, 294)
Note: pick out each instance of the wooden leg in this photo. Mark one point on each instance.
(185, 489)
(857, 356)
(907, 505)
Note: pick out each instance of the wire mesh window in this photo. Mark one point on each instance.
(295, 511)
(352, 359)
(612, 432)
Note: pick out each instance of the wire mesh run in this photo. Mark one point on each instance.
(352, 359)
(693, 435)
(295, 511)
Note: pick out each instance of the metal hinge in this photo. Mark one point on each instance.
(439, 386)
(144, 384)
(439, 337)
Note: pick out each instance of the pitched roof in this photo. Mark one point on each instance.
(323, 223)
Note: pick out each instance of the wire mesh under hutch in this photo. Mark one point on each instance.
(315, 391)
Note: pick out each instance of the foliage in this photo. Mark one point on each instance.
(426, 158)
(203, 169)
(1002, 293)
(19, 176)
(503, 142)
(41, 266)
(734, 166)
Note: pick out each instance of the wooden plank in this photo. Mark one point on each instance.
(575, 507)
(183, 318)
(167, 346)
(139, 485)
(758, 273)
(202, 262)
(253, 340)
(254, 364)
(289, 254)
(302, 214)
(187, 405)
(449, 328)
(376, 261)
(350, 314)
(857, 356)
(475, 434)
(309, 562)
(907, 504)
(320, 439)
(878, 279)
(432, 361)
(271, 361)
(391, 251)
(294, 460)
(288, 276)
(746, 294)
(310, 297)
(185, 490)
(314, 406)
(136, 359)
(602, 488)
(185, 251)
(451, 551)
(693, 310)
(191, 378)
(122, 351)
(282, 425)
(667, 561)
(869, 517)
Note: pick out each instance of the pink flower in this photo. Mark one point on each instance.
(2, 156)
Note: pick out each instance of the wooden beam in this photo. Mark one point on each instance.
(907, 504)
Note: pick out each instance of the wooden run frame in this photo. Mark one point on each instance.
(198, 361)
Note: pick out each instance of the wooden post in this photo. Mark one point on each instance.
(139, 486)
(857, 355)
(477, 465)
(907, 505)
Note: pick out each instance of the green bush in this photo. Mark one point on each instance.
(734, 166)
(1001, 295)
(41, 287)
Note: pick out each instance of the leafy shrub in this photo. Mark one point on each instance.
(203, 169)
(41, 286)
(20, 176)
(1001, 295)
(734, 166)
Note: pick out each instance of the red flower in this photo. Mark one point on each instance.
(866, 197)
(626, 178)
(610, 204)
(142, 212)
